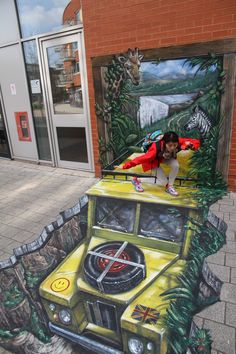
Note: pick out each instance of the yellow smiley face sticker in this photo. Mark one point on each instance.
(60, 284)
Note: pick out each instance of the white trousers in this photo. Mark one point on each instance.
(161, 176)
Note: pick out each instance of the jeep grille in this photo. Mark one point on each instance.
(102, 314)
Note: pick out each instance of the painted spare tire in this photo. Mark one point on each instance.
(111, 276)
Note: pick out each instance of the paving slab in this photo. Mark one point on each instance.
(226, 201)
(232, 217)
(228, 293)
(230, 260)
(231, 314)
(231, 225)
(223, 336)
(198, 320)
(230, 235)
(233, 276)
(230, 247)
(215, 312)
(222, 272)
(215, 207)
(217, 258)
(228, 208)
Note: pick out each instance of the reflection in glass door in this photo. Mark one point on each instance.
(63, 62)
(4, 148)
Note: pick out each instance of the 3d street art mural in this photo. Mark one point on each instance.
(124, 271)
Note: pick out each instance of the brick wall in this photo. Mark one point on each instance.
(71, 10)
(112, 26)
(232, 161)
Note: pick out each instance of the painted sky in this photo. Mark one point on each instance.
(169, 69)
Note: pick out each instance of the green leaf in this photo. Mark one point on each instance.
(131, 138)
(134, 149)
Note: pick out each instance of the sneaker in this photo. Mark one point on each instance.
(137, 184)
(171, 190)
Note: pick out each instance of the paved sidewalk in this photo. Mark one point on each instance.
(31, 196)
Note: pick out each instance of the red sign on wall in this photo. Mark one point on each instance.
(22, 124)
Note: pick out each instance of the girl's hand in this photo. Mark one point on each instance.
(127, 165)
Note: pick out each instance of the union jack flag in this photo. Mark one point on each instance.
(145, 314)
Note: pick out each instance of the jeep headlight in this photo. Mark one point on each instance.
(150, 346)
(65, 316)
(135, 345)
(52, 307)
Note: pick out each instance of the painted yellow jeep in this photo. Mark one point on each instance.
(106, 294)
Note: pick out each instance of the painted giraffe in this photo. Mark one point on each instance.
(130, 63)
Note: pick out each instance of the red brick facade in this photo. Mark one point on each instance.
(232, 161)
(112, 26)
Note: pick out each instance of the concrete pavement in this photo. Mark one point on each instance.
(31, 196)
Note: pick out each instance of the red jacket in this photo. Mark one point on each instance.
(150, 159)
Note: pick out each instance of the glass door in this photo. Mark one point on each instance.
(65, 87)
(4, 147)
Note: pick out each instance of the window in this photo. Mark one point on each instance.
(42, 16)
(78, 17)
(75, 67)
(36, 96)
(66, 87)
(161, 222)
(115, 214)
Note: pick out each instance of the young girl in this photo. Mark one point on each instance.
(164, 151)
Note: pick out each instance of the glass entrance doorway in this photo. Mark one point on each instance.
(4, 148)
(65, 89)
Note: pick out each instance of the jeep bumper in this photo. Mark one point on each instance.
(85, 342)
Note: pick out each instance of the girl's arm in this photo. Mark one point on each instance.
(149, 156)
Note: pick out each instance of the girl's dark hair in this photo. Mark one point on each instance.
(170, 137)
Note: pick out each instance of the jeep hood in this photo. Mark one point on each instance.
(65, 284)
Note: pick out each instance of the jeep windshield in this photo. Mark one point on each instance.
(115, 214)
(156, 221)
(161, 222)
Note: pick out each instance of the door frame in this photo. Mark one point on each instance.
(46, 96)
(9, 147)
